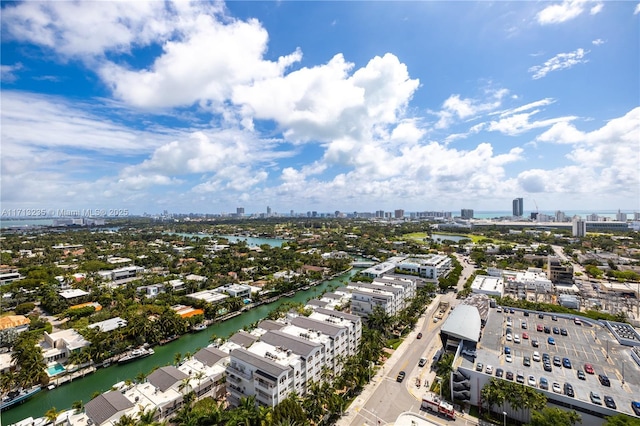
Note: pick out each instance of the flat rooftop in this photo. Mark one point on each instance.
(590, 342)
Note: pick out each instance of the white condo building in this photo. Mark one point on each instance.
(430, 267)
(285, 356)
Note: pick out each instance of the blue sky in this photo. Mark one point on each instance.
(350, 106)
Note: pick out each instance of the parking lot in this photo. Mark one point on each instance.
(585, 343)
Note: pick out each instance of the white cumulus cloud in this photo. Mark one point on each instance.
(567, 10)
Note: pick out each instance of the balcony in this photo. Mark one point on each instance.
(246, 375)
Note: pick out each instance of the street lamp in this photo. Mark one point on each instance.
(504, 417)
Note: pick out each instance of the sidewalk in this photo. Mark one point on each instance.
(352, 411)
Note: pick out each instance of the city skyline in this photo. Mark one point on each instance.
(317, 106)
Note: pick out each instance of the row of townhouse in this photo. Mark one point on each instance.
(390, 294)
(290, 354)
(164, 391)
(271, 362)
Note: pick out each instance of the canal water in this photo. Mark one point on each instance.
(82, 389)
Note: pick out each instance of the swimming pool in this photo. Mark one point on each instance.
(56, 369)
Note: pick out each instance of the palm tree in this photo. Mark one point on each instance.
(78, 406)
(177, 357)
(52, 415)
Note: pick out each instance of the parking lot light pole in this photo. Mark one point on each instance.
(504, 418)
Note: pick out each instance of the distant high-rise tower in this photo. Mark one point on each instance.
(518, 207)
(268, 211)
(579, 227)
(621, 217)
(398, 214)
(466, 213)
(240, 211)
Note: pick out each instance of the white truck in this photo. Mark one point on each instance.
(434, 403)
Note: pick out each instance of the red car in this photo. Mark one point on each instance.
(419, 336)
(525, 335)
(539, 327)
(589, 369)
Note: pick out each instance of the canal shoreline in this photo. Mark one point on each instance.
(101, 379)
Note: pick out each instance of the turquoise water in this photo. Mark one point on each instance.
(55, 370)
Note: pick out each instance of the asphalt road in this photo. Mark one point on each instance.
(384, 399)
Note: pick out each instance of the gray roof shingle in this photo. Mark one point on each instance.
(297, 345)
(262, 364)
(243, 339)
(210, 356)
(165, 377)
(104, 406)
(322, 326)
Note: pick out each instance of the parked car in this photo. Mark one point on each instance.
(539, 327)
(524, 325)
(534, 342)
(604, 380)
(508, 358)
(554, 317)
(541, 316)
(635, 405)
(507, 350)
(581, 375)
(547, 329)
(547, 366)
(509, 338)
(568, 390)
(469, 352)
(516, 338)
(401, 376)
(588, 368)
(422, 362)
(563, 331)
(525, 335)
(536, 356)
(520, 377)
(566, 362)
(556, 387)
(489, 370)
(479, 366)
(509, 375)
(556, 330)
(577, 321)
(531, 381)
(499, 372)
(419, 336)
(551, 341)
(556, 361)
(595, 398)
(526, 361)
(609, 402)
(544, 383)
(525, 313)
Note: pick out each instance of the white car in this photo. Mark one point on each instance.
(509, 323)
(532, 381)
(516, 338)
(508, 358)
(489, 370)
(536, 356)
(509, 337)
(556, 387)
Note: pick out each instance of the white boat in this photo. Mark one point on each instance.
(199, 327)
(135, 354)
